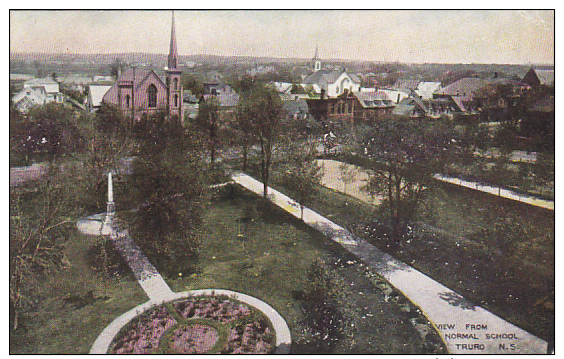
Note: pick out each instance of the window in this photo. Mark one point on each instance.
(152, 95)
(175, 84)
(175, 100)
(127, 99)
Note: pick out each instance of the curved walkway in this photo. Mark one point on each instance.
(465, 327)
(283, 340)
(159, 292)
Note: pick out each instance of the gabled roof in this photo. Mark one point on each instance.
(426, 89)
(96, 93)
(323, 77)
(141, 75)
(293, 106)
(464, 87)
(546, 77)
(402, 84)
(40, 82)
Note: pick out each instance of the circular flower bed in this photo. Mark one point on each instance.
(197, 325)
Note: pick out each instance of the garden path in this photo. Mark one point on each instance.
(332, 179)
(465, 327)
(146, 274)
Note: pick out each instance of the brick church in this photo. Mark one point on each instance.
(137, 92)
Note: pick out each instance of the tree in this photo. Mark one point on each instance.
(243, 125)
(168, 191)
(42, 217)
(302, 174)
(347, 174)
(404, 154)
(117, 67)
(207, 122)
(264, 108)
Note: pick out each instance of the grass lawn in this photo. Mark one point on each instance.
(450, 246)
(66, 318)
(263, 252)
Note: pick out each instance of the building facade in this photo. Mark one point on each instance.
(139, 92)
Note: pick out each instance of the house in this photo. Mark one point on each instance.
(138, 91)
(371, 105)
(408, 86)
(537, 77)
(29, 97)
(78, 83)
(425, 90)
(328, 109)
(411, 107)
(51, 87)
(395, 95)
(296, 109)
(461, 93)
(95, 96)
(227, 103)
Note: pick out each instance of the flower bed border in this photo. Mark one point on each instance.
(283, 338)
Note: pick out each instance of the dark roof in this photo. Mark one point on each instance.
(293, 106)
(376, 99)
(408, 104)
(402, 84)
(464, 87)
(322, 77)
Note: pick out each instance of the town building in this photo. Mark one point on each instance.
(95, 96)
(537, 77)
(138, 91)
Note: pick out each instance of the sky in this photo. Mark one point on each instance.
(432, 36)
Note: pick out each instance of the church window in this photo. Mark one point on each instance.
(175, 84)
(127, 99)
(175, 100)
(152, 95)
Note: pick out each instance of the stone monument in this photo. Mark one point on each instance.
(110, 208)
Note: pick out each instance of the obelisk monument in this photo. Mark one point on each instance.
(110, 208)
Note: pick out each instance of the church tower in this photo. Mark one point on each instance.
(316, 61)
(173, 80)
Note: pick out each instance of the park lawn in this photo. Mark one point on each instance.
(56, 326)
(267, 254)
(448, 246)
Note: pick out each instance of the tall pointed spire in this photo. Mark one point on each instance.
(172, 53)
(316, 56)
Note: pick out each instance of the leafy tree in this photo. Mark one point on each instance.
(264, 107)
(302, 174)
(207, 122)
(116, 67)
(404, 155)
(167, 189)
(190, 82)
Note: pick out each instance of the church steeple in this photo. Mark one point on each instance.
(173, 78)
(173, 52)
(316, 61)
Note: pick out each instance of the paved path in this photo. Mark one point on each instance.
(505, 193)
(466, 328)
(146, 274)
(332, 179)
